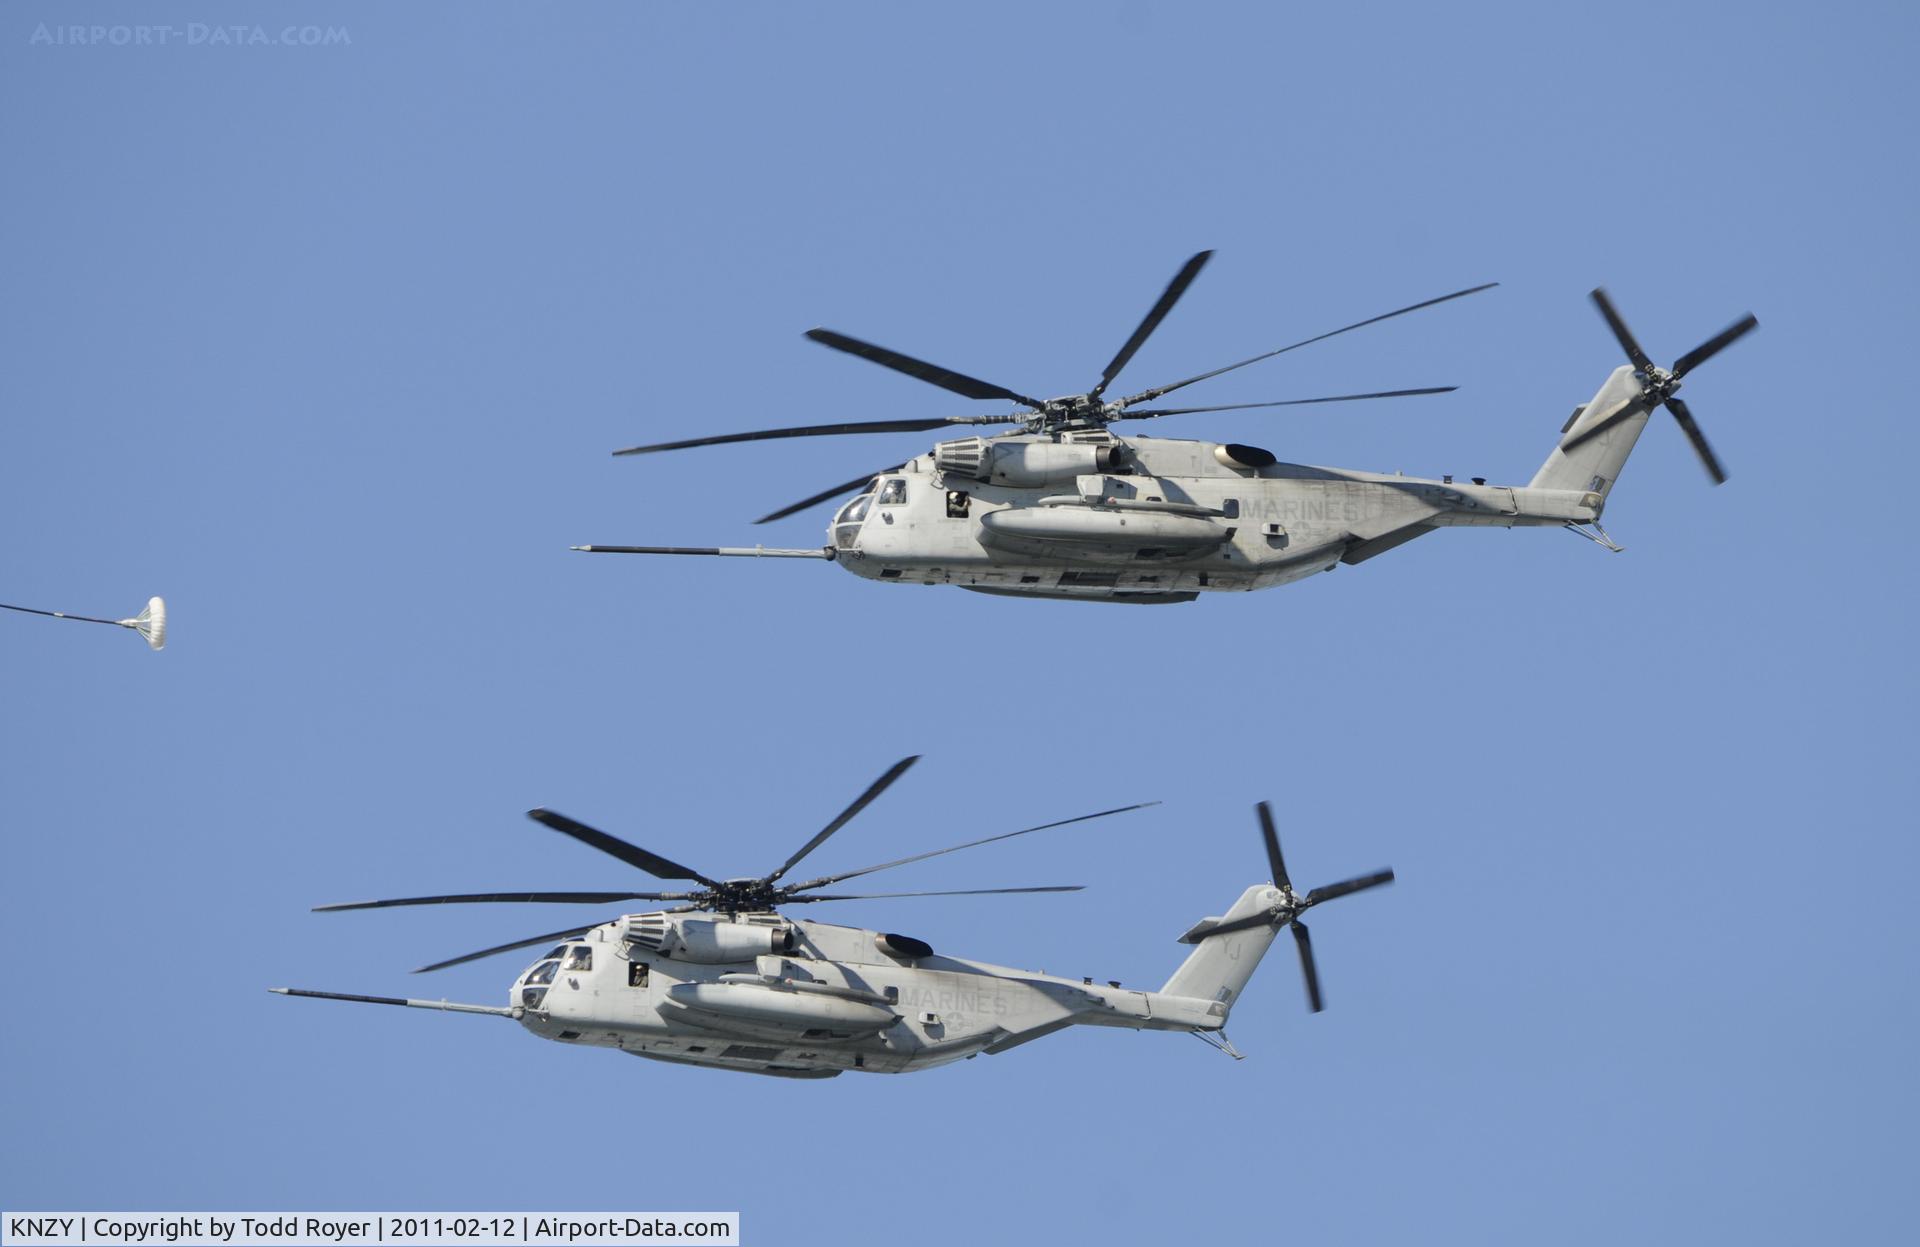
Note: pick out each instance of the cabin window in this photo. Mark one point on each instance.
(637, 974)
(957, 500)
(893, 493)
(579, 957)
(1230, 508)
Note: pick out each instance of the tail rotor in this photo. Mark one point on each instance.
(1658, 385)
(1286, 911)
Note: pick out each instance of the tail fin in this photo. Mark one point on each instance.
(1219, 968)
(1594, 466)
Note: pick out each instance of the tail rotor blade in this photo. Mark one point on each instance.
(1716, 344)
(1168, 297)
(1684, 416)
(1272, 838)
(1304, 942)
(1625, 411)
(1620, 330)
(1347, 887)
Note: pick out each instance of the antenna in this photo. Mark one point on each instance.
(150, 623)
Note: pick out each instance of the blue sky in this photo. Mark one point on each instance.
(328, 345)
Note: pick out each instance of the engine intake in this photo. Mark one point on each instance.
(1022, 464)
(709, 940)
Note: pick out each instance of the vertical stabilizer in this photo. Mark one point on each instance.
(1219, 968)
(1593, 466)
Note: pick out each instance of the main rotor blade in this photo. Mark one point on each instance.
(1272, 837)
(809, 430)
(632, 855)
(1288, 402)
(569, 933)
(1716, 344)
(1304, 942)
(524, 898)
(1347, 887)
(1632, 407)
(1620, 330)
(1168, 297)
(876, 896)
(1684, 415)
(932, 374)
(824, 880)
(822, 496)
(860, 803)
(1158, 390)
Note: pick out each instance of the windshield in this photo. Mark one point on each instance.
(855, 511)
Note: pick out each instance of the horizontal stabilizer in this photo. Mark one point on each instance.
(1361, 551)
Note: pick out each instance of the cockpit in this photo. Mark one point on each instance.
(881, 491)
(846, 525)
(564, 958)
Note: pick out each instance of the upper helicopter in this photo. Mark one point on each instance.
(1064, 508)
(724, 980)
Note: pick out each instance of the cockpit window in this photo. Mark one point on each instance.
(579, 957)
(856, 510)
(542, 973)
(556, 951)
(893, 493)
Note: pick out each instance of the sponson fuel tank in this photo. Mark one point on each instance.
(1100, 526)
(773, 1006)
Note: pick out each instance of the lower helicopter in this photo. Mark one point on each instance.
(727, 982)
(1064, 508)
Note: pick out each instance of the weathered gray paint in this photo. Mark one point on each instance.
(1170, 519)
(880, 1014)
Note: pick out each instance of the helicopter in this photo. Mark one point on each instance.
(726, 981)
(1063, 508)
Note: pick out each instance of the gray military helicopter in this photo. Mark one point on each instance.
(1063, 508)
(724, 980)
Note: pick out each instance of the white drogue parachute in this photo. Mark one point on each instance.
(150, 623)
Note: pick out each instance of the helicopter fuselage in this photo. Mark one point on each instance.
(1083, 514)
(832, 999)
